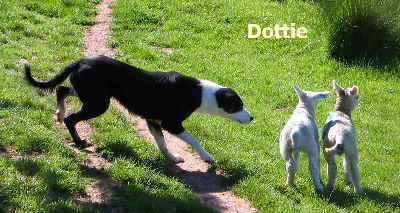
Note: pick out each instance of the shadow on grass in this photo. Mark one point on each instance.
(122, 149)
(213, 176)
(345, 199)
(126, 197)
(389, 67)
(133, 198)
(342, 198)
(9, 104)
(50, 177)
(3, 202)
(289, 192)
(392, 200)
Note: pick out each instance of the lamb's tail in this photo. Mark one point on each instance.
(52, 83)
(338, 148)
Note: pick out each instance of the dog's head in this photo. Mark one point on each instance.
(231, 106)
(310, 98)
(347, 98)
(224, 102)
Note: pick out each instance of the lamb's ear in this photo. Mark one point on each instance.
(354, 90)
(339, 90)
(298, 91)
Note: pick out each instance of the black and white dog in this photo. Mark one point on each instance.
(163, 99)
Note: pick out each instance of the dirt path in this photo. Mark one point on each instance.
(104, 188)
(98, 36)
(207, 183)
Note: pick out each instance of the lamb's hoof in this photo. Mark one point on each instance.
(82, 144)
(319, 191)
(290, 183)
(177, 158)
(360, 191)
(329, 188)
(348, 182)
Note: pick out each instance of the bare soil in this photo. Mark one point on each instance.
(201, 177)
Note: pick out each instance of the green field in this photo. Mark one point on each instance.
(207, 40)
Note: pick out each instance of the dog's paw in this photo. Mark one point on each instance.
(82, 144)
(177, 158)
(209, 160)
(59, 117)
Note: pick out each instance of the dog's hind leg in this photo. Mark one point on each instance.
(92, 107)
(62, 92)
(332, 169)
(155, 130)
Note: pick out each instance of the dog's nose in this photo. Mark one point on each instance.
(251, 118)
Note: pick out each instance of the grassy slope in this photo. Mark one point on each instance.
(209, 39)
(48, 35)
(49, 177)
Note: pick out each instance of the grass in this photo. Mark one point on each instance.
(44, 176)
(47, 176)
(208, 39)
(360, 30)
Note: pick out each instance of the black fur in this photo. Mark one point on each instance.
(168, 97)
(229, 100)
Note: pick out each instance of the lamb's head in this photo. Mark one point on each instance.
(347, 99)
(309, 99)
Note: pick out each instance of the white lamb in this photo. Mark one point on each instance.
(301, 134)
(339, 136)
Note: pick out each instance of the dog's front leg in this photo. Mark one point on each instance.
(155, 130)
(190, 139)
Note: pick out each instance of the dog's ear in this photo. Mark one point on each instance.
(229, 100)
(354, 90)
(339, 90)
(220, 96)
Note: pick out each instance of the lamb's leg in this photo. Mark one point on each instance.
(355, 173)
(347, 171)
(313, 164)
(332, 169)
(292, 165)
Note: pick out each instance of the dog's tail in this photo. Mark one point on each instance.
(338, 148)
(52, 83)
